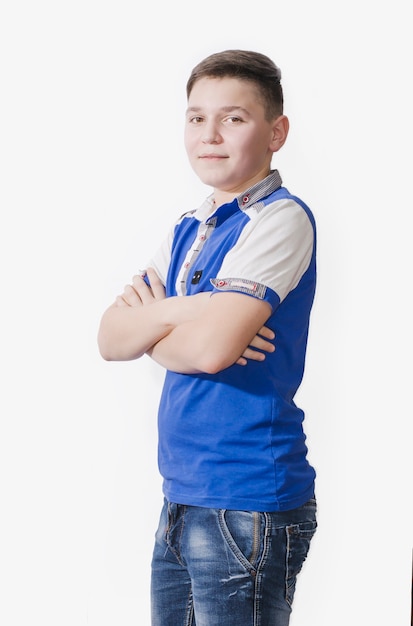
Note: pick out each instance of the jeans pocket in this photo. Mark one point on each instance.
(298, 544)
(242, 533)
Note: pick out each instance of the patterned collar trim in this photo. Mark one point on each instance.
(254, 194)
(260, 190)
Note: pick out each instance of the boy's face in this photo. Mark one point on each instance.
(227, 138)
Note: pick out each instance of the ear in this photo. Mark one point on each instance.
(280, 129)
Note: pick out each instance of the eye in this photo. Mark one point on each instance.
(195, 119)
(233, 119)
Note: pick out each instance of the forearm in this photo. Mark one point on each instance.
(216, 339)
(128, 332)
(183, 350)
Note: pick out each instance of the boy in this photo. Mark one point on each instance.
(239, 509)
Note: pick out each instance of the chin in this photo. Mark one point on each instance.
(213, 179)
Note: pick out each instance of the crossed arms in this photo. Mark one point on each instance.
(202, 333)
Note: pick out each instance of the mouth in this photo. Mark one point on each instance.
(212, 157)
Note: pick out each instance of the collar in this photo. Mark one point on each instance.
(260, 190)
(250, 196)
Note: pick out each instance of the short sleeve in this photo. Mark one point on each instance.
(273, 251)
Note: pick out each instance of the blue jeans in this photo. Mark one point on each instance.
(215, 567)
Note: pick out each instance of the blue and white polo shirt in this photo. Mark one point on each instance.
(235, 439)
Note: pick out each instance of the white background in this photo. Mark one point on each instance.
(93, 172)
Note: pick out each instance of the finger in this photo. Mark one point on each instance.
(131, 297)
(253, 355)
(141, 288)
(158, 289)
(120, 301)
(266, 332)
(261, 344)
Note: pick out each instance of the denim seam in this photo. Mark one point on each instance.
(259, 571)
(287, 556)
(295, 529)
(242, 559)
(190, 610)
(256, 538)
(175, 552)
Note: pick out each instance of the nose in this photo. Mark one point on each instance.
(211, 133)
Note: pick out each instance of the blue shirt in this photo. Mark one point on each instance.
(235, 439)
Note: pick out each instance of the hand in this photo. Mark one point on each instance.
(261, 344)
(139, 293)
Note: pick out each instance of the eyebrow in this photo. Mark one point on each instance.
(225, 109)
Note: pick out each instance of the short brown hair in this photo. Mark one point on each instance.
(245, 65)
